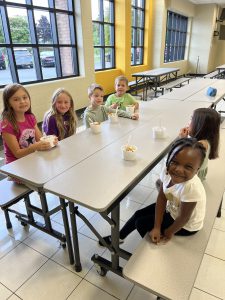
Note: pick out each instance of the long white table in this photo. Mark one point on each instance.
(102, 180)
(80, 153)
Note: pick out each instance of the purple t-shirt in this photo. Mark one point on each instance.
(25, 136)
(50, 127)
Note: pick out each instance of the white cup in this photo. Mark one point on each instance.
(48, 138)
(130, 109)
(129, 152)
(159, 132)
(95, 127)
(113, 117)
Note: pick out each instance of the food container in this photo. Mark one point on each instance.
(48, 138)
(159, 132)
(129, 152)
(130, 109)
(113, 117)
(95, 127)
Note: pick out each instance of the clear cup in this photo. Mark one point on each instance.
(129, 152)
(113, 118)
(48, 138)
(95, 127)
(159, 132)
(130, 109)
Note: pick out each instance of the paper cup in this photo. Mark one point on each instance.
(48, 138)
(130, 109)
(129, 152)
(95, 127)
(159, 132)
(113, 118)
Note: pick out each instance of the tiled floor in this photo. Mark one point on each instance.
(33, 265)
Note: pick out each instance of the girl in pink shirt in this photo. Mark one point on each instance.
(18, 125)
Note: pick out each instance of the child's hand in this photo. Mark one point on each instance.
(55, 142)
(42, 146)
(167, 235)
(135, 116)
(155, 235)
(184, 132)
(114, 105)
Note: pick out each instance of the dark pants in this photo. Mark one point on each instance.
(143, 221)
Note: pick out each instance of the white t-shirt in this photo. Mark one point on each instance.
(188, 191)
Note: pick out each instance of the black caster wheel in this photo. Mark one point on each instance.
(101, 271)
(63, 245)
(9, 225)
(23, 223)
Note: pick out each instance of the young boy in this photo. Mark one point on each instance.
(121, 99)
(97, 112)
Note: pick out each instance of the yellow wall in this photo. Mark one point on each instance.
(123, 45)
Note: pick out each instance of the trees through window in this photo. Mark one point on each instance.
(37, 40)
(137, 31)
(103, 34)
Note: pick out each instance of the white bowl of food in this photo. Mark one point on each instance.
(113, 117)
(95, 127)
(129, 152)
(130, 109)
(49, 138)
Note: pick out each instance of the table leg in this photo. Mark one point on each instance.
(115, 216)
(44, 206)
(67, 230)
(73, 222)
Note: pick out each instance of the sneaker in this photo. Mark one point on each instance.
(108, 241)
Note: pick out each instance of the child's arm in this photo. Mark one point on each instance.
(186, 210)
(160, 208)
(14, 146)
(110, 102)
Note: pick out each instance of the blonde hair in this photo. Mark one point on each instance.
(8, 113)
(93, 87)
(59, 118)
(121, 78)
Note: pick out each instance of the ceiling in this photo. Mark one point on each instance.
(219, 2)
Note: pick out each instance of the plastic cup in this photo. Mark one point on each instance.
(95, 127)
(48, 138)
(113, 118)
(129, 152)
(159, 132)
(130, 109)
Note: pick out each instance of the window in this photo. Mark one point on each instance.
(37, 41)
(176, 34)
(137, 31)
(103, 34)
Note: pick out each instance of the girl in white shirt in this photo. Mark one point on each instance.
(180, 205)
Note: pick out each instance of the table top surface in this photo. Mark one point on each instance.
(155, 72)
(194, 86)
(100, 179)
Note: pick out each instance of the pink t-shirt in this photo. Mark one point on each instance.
(25, 136)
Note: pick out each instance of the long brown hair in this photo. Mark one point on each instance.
(8, 113)
(206, 126)
(72, 121)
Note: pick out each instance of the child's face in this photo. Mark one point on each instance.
(184, 165)
(20, 101)
(97, 97)
(121, 88)
(63, 103)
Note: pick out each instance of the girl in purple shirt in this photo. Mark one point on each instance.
(18, 125)
(61, 119)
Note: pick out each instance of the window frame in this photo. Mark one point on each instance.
(135, 29)
(35, 45)
(176, 37)
(102, 45)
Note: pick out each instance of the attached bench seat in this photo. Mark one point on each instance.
(169, 271)
(10, 194)
(213, 74)
(133, 87)
(174, 84)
